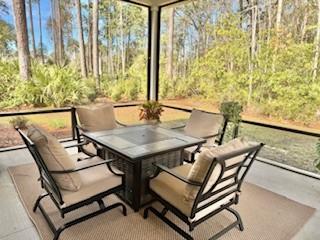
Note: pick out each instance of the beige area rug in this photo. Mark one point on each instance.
(266, 215)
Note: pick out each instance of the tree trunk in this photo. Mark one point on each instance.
(59, 33)
(33, 42)
(123, 54)
(89, 38)
(54, 35)
(81, 41)
(110, 48)
(317, 47)
(304, 26)
(170, 43)
(95, 47)
(254, 14)
(269, 25)
(40, 32)
(279, 17)
(22, 38)
(278, 30)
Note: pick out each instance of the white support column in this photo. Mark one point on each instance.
(155, 35)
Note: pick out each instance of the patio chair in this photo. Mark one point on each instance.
(196, 192)
(210, 126)
(91, 119)
(68, 183)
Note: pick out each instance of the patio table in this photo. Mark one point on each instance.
(136, 148)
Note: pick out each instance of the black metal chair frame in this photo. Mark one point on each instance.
(52, 190)
(218, 141)
(81, 141)
(250, 155)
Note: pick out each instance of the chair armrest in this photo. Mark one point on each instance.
(76, 145)
(178, 127)
(80, 128)
(121, 124)
(83, 168)
(172, 173)
(211, 136)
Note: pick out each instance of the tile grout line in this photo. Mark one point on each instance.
(18, 231)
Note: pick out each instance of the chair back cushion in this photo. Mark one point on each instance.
(55, 157)
(97, 118)
(201, 166)
(202, 124)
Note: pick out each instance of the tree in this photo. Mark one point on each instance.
(81, 41)
(4, 7)
(22, 38)
(89, 48)
(95, 47)
(59, 32)
(123, 51)
(170, 43)
(317, 47)
(7, 37)
(254, 14)
(33, 42)
(40, 31)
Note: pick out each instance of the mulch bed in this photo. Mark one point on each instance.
(9, 137)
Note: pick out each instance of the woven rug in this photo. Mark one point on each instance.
(266, 216)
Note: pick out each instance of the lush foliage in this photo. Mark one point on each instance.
(150, 110)
(214, 60)
(232, 111)
(50, 86)
(20, 122)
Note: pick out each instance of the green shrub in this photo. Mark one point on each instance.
(20, 122)
(117, 92)
(51, 86)
(131, 90)
(9, 77)
(57, 124)
(92, 92)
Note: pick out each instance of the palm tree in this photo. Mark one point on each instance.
(81, 41)
(22, 38)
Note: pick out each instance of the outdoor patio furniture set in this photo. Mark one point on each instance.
(186, 169)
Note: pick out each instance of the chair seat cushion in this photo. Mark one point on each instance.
(95, 180)
(171, 189)
(55, 157)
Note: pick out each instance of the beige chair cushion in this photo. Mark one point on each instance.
(55, 157)
(202, 124)
(95, 180)
(201, 166)
(172, 190)
(97, 118)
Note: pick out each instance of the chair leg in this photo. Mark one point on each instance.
(167, 221)
(237, 215)
(238, 223)
(36, 205)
